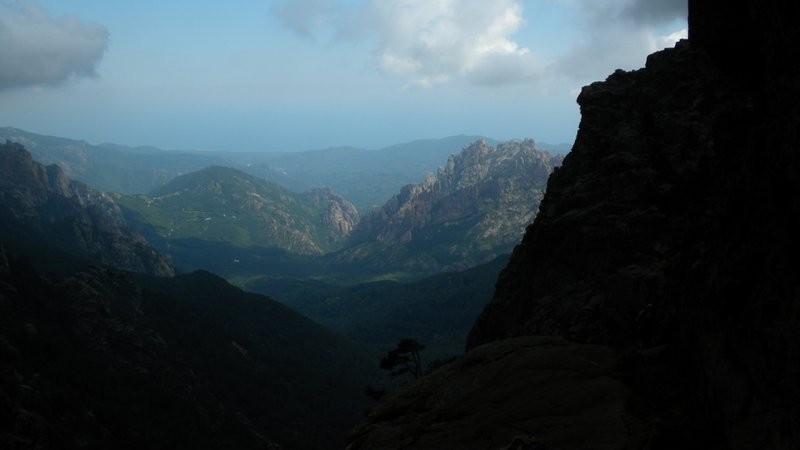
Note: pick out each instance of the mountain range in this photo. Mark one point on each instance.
(472, 209)
(103, 346)
(365, 177)
(651, 304)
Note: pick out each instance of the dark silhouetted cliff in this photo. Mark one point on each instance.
(668, 235)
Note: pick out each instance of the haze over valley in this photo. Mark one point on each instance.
(420, 265)
(399, 224)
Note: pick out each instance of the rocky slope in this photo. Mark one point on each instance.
(100, 359)
(224, 204)
(473, 209)
(40, 206)
(339, 216)
(572, 394)
(663, 238)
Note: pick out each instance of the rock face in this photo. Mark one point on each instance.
(473, 209)
(630, 194)
(339, 216)
(40, 204)
(663, 237)
(474, 402)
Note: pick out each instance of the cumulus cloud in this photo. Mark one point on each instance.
(305, 16)
(619, 34)
(432, 41)
(426, 41)
(435, 41)
(655, 11)
(36, 49)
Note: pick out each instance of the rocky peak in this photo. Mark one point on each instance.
(70, 215)
(26, 184)
(480, 161)
(471, 210)
(477, 174)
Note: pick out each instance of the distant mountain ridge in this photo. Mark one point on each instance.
(39, 205)
(224, 204)
(470, 211)
(109, 167)
(366, 177)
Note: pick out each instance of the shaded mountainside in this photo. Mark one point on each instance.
(41, 207)
(224, 204)
(101, 359)
(470, 211)
(572, 395)
(437, 311)
(661, 238)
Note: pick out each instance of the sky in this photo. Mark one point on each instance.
(261, 75)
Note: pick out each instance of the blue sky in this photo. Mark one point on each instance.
(301, 74)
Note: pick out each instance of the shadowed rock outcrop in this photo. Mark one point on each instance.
(41, 210)
(571, 394)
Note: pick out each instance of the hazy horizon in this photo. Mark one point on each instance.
(313, 74)
(540, 143)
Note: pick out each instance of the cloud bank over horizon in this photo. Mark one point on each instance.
(38, 50)
(429, 42)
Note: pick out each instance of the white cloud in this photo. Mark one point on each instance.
(671, 39)
(619, 34)
(654, 11)
(36, 49)
(433, 41)
(426, 41)
(305, 16)
(436, 41)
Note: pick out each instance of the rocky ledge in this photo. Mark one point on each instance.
(532, 390)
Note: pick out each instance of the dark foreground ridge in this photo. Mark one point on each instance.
(103, 359)
(661, 239)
